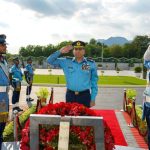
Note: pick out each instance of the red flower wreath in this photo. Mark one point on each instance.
(78, 135)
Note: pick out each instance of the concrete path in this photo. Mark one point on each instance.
(109, 97)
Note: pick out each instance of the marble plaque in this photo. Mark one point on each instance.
(63, 142)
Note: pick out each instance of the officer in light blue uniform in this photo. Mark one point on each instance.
(4, 86)
(29, 78)
(15, 80)
(80, 72)
(146, 104)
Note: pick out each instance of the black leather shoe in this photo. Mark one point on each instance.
(29, 99)
(19, 109)
(15, 109)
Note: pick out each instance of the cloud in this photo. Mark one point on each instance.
(45, 8)
(139, 7)
(60, 20)
(4, 25)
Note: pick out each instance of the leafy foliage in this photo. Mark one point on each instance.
(43, 93)
(8, 135)
(136, 49)
(131, 93)
(138, 69)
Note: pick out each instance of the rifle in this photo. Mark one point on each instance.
(51, 96)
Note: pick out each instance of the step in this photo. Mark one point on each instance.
(10, 145)
(118, 147)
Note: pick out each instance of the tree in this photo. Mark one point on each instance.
(140, 44)
(93, 50)
(129, 50)
(116, 51)
(107, 52)
(93, 41)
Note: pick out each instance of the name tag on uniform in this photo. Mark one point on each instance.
(85, 67)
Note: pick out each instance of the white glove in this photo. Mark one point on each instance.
(11, 88)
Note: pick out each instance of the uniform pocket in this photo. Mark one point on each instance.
(71, 69)
(86, 72)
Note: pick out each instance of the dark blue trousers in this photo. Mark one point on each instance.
(2, 127)
(15, 97)
(28, 90)
(82, 98)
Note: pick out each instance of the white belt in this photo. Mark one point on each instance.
(147, 99)
(3, 88)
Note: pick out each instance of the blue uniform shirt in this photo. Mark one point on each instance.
(79, 76)
(16, 73)
(4, 81)
(147, 64)
(29, 68)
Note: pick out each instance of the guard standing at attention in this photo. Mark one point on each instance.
(80, 72)
(15, 81)
(4, 87)
(29, 78)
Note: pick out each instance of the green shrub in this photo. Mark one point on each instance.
(131, 93)
(100, 65)
(138, 69)
(8, 134)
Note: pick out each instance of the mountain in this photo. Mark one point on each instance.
(114, 40)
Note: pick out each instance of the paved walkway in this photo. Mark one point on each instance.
(126, 130)
(108, 97)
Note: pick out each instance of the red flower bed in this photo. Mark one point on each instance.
(82, 136)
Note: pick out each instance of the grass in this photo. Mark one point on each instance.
(120, 80)
(103, 80)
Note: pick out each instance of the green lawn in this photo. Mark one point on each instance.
(103, 80)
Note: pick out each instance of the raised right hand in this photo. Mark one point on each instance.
(66, 49)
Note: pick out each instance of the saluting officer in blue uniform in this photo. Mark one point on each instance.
(15, 80)
(4, 86)
(29, 78)
(80, 72)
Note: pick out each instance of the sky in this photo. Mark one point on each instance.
(43, 22)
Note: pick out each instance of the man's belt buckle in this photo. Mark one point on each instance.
(76, 93)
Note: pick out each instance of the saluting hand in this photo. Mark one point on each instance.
(66, 49)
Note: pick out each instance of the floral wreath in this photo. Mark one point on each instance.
(82, 136)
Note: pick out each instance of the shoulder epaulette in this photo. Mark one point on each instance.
(90, 59)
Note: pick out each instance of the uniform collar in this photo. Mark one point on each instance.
(84, 59)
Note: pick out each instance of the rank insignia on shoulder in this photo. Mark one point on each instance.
(90, 59)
